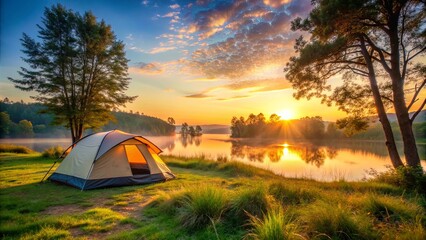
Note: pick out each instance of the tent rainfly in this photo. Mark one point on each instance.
(113, 158)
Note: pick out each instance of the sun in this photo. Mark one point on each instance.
(286, 114)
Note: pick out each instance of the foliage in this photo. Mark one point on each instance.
(372, 45)
(42, 127)
(258, 126)
(53, 152)
(187, 130)
(9, 148)
(78, 69)
(407, 177)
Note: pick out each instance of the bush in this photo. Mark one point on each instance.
(202, 206)
(53, 152)
(274, 225)
(407, 177)
(9, 148)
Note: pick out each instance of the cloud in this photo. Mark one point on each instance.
(260, 85)
(161, 49)
(130, 37)
(275, 3)
(174, 6)
(198, 95)
(253, 34)
(147, 68)
(250, 87)
(145, 2)
(233, 98)
(170, 14)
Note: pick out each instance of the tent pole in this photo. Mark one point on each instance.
(48, 172)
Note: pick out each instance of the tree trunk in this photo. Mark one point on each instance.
(387, 129)
(405, 126)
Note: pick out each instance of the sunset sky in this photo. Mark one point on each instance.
(200, 62)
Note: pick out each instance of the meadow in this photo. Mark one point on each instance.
(208, 200)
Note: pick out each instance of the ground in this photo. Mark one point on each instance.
(208, 200)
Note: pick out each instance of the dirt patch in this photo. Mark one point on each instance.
(133, 210)
(63, 209)
(77, 232)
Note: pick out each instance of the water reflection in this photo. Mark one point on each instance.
(190, 140)
(311, 154)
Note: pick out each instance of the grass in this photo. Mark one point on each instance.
(53, 152)
(208, 200)
(275, 225)
(10, 148)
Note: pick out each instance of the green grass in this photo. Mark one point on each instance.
(208, 200)
(53, 152)
(275, 225)
(10, 148)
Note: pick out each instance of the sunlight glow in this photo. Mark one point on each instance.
(286, 114)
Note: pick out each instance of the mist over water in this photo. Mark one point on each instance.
(320, 160)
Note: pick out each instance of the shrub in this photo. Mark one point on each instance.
(202, 206)
(287, 195)
(9, 148)
(406, 177)
(274, 225)
(53, 152)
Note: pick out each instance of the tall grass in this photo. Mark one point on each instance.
(274, 225)
(290, 194)
(10, 148)
(253, 201)
(391, 210)
(325, 221)
(202, 206)
(53, 152)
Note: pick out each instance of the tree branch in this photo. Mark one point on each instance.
(417, 53)
(418, 111)
(416, 93)
(380, 52)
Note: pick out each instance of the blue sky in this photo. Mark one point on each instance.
(198, 61)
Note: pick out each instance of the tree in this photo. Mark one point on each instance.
(25, 128)
(5, 124)
(78, 69)
(198, 130)
(374, 45)
(171, 121)
(184, 130)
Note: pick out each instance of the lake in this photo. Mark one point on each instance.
(323, 160)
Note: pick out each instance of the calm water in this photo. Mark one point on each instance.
(326, 161)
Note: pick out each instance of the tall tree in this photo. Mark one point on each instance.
(78, 69)
(373, 44)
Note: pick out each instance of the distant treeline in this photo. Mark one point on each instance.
(307, 128)
(19, 119)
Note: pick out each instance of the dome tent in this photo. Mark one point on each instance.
(113, 158)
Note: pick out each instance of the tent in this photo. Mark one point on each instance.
(113, 158)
